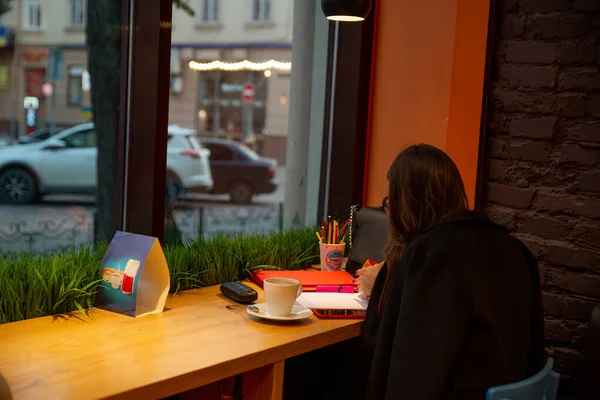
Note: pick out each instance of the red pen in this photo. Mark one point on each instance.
(335, 289)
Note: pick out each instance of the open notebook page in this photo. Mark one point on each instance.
(332, 301)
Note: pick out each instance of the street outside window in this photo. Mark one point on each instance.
(55, 120)
(228, 115)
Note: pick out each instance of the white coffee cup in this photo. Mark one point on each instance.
(281, 294)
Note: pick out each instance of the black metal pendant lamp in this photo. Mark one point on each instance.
(346, 10)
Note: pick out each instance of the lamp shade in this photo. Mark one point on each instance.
(346, 10)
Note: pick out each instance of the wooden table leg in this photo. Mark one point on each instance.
(214, 391)
(264, 383)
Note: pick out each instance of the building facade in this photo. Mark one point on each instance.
(235, 99)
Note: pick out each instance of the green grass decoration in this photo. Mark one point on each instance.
(35, 285)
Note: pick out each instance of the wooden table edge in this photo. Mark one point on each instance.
(268, 358)
(212, 374)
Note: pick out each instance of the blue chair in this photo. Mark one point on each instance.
(541, 386)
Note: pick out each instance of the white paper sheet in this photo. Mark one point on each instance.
(332, 301)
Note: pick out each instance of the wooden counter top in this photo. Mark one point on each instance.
(196, 341)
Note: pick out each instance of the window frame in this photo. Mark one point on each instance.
(145, 91)
(265, 11)
(349, 91)
(80, 85)
(83, 6)
(27, 14)
(213, 8)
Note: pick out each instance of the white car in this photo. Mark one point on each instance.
(66, 164)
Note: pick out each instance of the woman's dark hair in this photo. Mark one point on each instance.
(424, 187)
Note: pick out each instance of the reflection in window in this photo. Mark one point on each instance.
(261, 11)
(33, 14)
(74, 86)
(77, 13)
(210, 11)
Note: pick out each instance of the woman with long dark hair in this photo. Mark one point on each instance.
(456, 308)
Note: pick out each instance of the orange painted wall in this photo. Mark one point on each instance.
(429, 71)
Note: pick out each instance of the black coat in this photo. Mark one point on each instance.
(463, 314)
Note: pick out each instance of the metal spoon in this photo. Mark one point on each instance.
(253, 308)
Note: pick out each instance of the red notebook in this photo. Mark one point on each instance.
(308, 279)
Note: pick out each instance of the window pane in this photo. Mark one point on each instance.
(248, 154)
(33, 14)
(205, 10)
(81, 139)
(239, 110)
(215, 11)
(267, 10)
(77, 13)
(256, 10)
(209, 11)
(58, 148)
(74, 91)
(74, 86)
(177, 142)
(219, 152)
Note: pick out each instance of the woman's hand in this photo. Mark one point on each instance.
(366, 279)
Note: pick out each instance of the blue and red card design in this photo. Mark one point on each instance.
(135, 276)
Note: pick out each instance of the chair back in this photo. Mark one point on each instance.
(541, 386)
(552, 385)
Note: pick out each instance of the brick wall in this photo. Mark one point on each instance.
(543, 158)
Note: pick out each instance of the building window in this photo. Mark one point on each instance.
(222, 110)
(33, 15)
(74, 86)
(210, 11)
(261, 11)
(77, 13)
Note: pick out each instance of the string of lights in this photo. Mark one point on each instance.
(241, 66)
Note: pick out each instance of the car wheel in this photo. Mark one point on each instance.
(17, 186)
(241, 193)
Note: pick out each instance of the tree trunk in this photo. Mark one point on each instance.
(104, 64)
(4, 6)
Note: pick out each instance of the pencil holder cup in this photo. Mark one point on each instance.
(332, 256)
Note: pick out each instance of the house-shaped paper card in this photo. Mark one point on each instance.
(135, 276)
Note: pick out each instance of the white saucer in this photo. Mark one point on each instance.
(298, 312)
